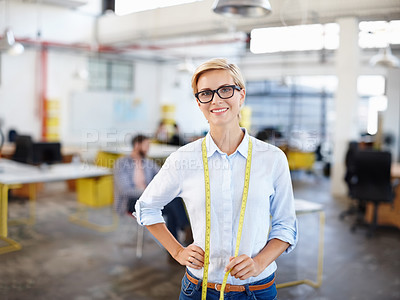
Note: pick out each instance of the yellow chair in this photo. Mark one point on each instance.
(300, 160)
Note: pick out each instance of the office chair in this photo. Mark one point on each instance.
(350, 178)
(23, 149)
(139, 237)
(372, 183)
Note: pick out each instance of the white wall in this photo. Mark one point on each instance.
(19, 102)
(19, 99)
(19, 95)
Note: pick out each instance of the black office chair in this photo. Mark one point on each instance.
(372, 183)
(350, 178)
(23, 149)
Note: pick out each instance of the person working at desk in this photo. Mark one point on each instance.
(132, 173)
(235, 188)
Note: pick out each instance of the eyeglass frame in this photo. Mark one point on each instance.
(234, 86)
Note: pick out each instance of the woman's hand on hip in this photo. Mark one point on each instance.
(191, 256)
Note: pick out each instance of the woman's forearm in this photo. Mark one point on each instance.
(270, 253)
(164, 236)
(191, 256)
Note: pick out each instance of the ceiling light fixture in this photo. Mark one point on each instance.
(242, 8)
(385, 58)
(8, 44)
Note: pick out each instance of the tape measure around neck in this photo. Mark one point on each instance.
(208, 217)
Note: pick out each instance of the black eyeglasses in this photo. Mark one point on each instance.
(224, 92)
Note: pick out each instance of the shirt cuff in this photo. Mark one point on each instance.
(285, 234)
(147, 216)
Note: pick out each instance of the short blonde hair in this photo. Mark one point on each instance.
(218, 64)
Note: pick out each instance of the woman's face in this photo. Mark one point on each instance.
(220, 112)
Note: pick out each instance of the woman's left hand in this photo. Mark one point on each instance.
(243, 267)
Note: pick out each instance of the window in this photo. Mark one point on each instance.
(296, 107)
(124, 7)
(295, 38)
(371, 89)
(110, 75)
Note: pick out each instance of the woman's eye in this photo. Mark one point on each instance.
(205, 93)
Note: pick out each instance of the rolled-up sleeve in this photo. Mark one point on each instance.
(164, 187)
(284, 222)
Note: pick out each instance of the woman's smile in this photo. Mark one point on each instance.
(219, 111)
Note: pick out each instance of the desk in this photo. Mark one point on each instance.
(388, 213)
(13, 174)
(307, 207)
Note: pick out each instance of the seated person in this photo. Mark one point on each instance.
(176, 139)
(132, 173)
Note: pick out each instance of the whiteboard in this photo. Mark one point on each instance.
(105, 111)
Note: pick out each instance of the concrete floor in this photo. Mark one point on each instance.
(61, 260)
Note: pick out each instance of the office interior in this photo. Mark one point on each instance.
(79, 78)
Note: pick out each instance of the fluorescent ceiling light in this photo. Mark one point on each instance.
(294, 38)
(124, 7)
(378, 34)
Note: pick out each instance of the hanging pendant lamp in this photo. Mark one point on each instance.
(8, 44)
(242, 8)
(385, 58)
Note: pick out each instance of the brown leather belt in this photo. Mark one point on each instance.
(232, 288)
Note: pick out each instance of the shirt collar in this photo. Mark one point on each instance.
(242, 148)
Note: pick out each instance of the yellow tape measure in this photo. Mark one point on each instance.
(208, 217)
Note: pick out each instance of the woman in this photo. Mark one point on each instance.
(236, 182)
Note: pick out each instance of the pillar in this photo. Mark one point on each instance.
(346, 102)
(391, 116)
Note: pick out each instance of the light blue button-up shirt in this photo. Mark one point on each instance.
(270, 211)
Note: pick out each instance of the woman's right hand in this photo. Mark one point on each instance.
(191, 256)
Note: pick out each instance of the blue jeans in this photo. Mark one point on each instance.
(190, 290)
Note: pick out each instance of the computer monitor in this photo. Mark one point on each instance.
(46, 153)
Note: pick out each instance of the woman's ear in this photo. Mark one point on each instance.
(242, 96)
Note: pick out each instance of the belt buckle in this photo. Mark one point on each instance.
(216, 287)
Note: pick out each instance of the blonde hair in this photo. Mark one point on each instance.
(218, 64)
